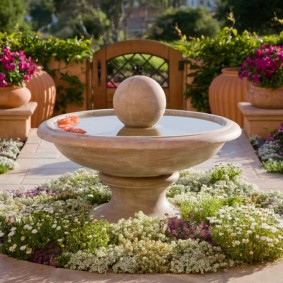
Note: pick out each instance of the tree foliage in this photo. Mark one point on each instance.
(191, 23)
(253, 15)
(41, 12)
(12, 15)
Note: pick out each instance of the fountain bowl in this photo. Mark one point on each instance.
(138, 155)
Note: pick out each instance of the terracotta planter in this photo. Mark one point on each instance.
(266, 98)
(14, 96)
(43, 91)
(225, 92)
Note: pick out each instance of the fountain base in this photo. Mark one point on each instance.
(133, 194)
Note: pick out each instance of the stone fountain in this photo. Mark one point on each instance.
(139, 147)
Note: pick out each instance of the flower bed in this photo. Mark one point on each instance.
(225, 222)
(270, 151)
(9, 150)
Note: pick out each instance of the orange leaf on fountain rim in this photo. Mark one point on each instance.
(69, 120)
(73, 130)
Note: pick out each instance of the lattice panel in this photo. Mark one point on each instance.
(124, 66)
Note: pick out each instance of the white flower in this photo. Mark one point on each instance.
(58, 228)
(1, 234)
(11, 234)
(27, 227)
(34, 231)
(264, 226)
(13, 248)
(22, 248)
(273, 229)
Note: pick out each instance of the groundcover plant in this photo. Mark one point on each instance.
(9, 150)
(225, 222)
(270, 150)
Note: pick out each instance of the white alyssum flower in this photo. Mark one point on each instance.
(13, 248)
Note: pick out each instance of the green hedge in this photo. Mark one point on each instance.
(43, 49)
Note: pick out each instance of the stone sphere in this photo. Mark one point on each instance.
(139, 101)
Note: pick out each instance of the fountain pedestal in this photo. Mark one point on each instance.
(133, 194)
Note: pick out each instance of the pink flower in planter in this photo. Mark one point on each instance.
(265, 67)
(15, 67)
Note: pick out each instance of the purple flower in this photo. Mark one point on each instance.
(182, 229)
(265, 67)
(3, 84)
(2, 76)
(15, 67)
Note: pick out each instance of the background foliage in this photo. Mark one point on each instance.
(208, 55)
(191, 22)
(72, 30)
(260, 16)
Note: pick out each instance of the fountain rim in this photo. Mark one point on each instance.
(229, 128)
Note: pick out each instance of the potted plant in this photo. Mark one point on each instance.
(264, 69)
(15, 70)
(225, 92)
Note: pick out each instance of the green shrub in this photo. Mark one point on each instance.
(248, 233)
(201, 207)
(43, 49)
(275, 166)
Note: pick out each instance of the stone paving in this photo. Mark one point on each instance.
(39, 162)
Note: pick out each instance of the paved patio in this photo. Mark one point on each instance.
(40, 161)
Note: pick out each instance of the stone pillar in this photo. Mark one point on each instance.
(258, 121)
(16, 122)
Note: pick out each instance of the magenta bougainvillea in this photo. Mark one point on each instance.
(15, 67)
(264, 68)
